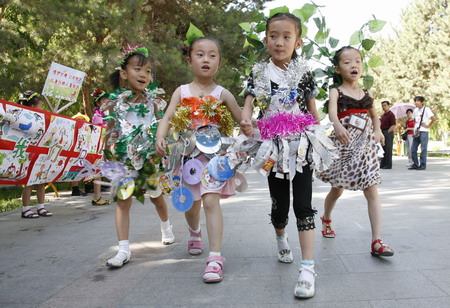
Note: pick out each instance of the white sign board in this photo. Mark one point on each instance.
(63, 83)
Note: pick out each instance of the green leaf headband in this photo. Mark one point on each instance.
(192, 33)
(131, 50)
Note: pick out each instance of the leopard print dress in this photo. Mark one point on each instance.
(357, 167)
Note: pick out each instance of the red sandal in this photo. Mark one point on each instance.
(328, 232)
(29, 214)
(43, 212)
(383, 250)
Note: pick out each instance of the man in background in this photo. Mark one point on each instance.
(424, 118)
(388, 123)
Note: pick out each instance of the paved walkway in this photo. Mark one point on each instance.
(59, 261)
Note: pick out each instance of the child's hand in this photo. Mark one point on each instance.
(246, 127)
(342, 134)
(379, 137)
(160, 147)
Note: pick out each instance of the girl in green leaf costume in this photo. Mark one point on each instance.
(133, 115)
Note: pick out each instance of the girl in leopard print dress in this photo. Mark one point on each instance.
(356, 134)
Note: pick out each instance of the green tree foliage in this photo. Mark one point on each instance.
(418, 60)
(88, 35)
(168, 23)
(85, 35)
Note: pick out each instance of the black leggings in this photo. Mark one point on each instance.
(302, 193)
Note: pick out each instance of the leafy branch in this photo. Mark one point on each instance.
(322, 46)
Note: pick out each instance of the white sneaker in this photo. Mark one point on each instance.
(122, 257)
(167, 236)
(304, 288)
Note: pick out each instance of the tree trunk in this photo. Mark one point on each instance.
(86, 95)
(2, 14)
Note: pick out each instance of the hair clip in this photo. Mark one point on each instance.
(27, 95)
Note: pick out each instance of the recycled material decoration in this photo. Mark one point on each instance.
(193, 112)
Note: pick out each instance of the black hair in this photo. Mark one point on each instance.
(338, 53)
(293, 18)
(387, 102)
(114, 78)
(187, 50)
(29, 98)
(96, 101)
(419, 98)
(409, 110)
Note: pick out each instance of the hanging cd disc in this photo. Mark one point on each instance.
(219, 168)
(195, 153)
(208, 139)
(125, 189)
(192, 171)
(241, 182)
(182, 198)
(211, 183)
(186, 144)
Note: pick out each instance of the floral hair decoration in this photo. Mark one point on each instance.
(98, 94)
(131, 50)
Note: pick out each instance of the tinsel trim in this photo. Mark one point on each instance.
(283, 125)
(286, 93)
(193, 112)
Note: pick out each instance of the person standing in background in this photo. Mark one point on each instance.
(388, 123)
(409, 128)
(424, 118)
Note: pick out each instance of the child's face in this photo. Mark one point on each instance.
(350, 65)
(38, 105)
(102, 101)
(137, 77)
(281, 41)
(204, 58)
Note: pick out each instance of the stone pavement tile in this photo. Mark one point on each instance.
(299, 303)
(441, 277)
(29, 290)
(191, 292)
(329, 264)
(366, 286)
(103, 282)
(85, 302)
(15, 305)
(416, 244)
(246, 249)
(258, 267)
(189, 267)
(360, 263)
(47, 264)
(440, 302)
